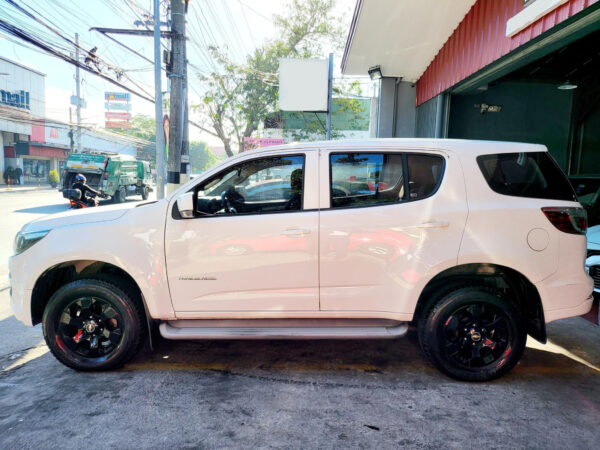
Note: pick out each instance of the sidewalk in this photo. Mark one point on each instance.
(25, 188)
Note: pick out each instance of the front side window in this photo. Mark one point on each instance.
(258, 186)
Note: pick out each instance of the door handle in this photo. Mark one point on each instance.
(441, 224)
(295, 232)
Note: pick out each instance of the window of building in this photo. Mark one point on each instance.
(258, 186)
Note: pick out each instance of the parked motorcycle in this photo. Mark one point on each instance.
(74, 196)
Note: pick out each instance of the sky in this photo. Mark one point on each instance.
(240, 25)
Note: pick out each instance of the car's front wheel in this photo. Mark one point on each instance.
(473, 334)
(93, 324)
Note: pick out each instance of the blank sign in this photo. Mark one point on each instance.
(303, 84)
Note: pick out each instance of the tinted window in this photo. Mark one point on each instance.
(424, 174)
(366, 179)
(253, 187)
(534, 175)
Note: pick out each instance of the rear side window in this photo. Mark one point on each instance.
(371, 179)
(533, 175)
(424, 174)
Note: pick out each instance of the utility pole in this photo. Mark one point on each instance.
(78, 93)
(185, 145)
(158, 115)
(178, 94)
(329, 97)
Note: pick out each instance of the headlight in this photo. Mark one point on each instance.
(25, 240)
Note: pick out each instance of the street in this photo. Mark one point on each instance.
(287, 394)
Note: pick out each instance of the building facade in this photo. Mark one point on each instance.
(515, 70)
(28, 140)
(22, 99)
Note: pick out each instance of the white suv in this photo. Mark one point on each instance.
(478, 243)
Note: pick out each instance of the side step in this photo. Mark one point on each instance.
(175, 330)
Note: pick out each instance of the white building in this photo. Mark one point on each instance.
(22, 98)
(30, 142)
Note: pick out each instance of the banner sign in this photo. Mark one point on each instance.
(117, 115)
(251, 143)
(121, 125)
(117, 96)
(117, 101)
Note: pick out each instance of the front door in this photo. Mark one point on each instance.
(253, 243)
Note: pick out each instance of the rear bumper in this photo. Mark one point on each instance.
(582, 308)
(566, 295)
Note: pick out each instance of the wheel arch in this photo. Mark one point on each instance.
(523, 292)
(60, 274)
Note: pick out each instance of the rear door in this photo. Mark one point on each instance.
(388, 219)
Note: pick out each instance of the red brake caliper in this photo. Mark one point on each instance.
(77, 337)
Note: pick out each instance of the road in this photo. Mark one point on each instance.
(296, 394)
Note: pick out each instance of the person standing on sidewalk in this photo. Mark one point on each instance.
(19, 174)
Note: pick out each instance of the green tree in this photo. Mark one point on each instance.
(201, 158)
(142, 127)
(239, 97)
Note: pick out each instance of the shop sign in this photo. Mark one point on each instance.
(18, 99)
(251, 143)
(117, 96)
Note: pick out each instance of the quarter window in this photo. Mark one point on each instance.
(258, 186)
(533, 175)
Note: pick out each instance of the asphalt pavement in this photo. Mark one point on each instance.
(289, 394)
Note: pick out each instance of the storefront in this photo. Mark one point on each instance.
(515, 70)
(22, 101)
(38, 160)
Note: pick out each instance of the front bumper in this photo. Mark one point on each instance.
(20, 297)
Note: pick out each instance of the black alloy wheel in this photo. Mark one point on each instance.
(92, 324)
(473, 334)
(91, 327)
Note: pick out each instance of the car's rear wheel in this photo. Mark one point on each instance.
(473, 334)
(92, 324)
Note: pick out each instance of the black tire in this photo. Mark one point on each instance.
(472, 334)
(121, 194)
(99, 298)
(145, 193)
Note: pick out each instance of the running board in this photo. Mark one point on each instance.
(336, 332)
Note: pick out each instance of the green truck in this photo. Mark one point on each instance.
(116, 175)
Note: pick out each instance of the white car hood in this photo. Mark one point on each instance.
(593, 236)
(78, 217)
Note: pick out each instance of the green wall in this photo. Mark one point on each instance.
(536, 113)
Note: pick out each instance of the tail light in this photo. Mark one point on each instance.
(568, 220)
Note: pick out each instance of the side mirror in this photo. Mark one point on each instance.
(185, 205)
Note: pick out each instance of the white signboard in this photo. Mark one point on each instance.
(303, 84)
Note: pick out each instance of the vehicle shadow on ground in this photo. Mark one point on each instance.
(397, 358)
(46, 209)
